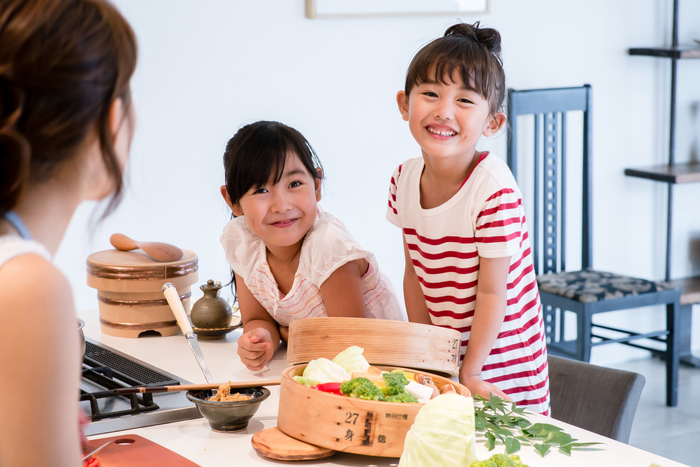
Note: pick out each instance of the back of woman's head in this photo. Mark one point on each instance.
(62, 64)
(469, 50)
(257, 154)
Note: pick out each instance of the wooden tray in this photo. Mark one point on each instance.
(343, 423)
(276, 445)
(398, 343)
(136, 451)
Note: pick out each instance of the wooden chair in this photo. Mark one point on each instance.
(585, 292)
(598, 399)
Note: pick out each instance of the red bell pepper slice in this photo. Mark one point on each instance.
(92, 462)
(333, 388)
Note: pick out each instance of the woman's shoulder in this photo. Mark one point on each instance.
(31, 281)
(13, 246)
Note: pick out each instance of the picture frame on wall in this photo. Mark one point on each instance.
(320, 9)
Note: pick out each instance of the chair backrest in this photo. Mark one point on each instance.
(598, 399)
(549, 107)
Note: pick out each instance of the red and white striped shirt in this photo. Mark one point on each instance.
(485, 218)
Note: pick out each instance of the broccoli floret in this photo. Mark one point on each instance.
(404, 397)
(394, 384)
(500, 460)
(362, 388)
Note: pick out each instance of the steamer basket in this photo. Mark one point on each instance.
(410, 345)
(346, 424)
(129, 293)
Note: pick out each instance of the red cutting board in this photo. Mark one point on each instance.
(135, 451)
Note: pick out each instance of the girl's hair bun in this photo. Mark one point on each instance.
(15, 152)
(15, 157)
(488, 37)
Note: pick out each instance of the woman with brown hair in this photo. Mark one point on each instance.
(66, 124)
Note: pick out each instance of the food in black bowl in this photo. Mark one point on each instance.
(227, 416)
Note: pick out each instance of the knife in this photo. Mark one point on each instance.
(183, 321)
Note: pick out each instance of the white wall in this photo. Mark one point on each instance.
(206, 67)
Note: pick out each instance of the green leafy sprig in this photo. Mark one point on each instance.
(505, 422)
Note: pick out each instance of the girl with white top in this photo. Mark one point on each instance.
(291, 259)
(66, 125)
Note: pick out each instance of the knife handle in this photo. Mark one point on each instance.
(173, 299)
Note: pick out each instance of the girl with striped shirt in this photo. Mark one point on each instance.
(468, 260)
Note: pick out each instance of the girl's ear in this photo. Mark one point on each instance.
(235, 208)
(494, 124)
(402, 101)
(317, 182)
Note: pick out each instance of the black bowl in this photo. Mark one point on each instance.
(228, 416)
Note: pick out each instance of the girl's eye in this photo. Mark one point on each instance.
(259, 191)
(464, 100)
(295, 184)
(430, 94)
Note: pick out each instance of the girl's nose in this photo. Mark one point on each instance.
(280, 203)
(443, 109)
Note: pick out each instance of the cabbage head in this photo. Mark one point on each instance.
(442, 435)
(325, 371)
(352, 360)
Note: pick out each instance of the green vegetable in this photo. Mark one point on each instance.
(305, 381)
(442, 434)
(351, 359)
(404, 397)
(362, 388)
(500, 460)
(394, 384)
(323, 370)
(505, 422)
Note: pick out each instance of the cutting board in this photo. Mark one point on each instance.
(135, 451)
(274, 444)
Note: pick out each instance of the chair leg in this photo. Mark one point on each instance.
(672, 351)
(583, 345)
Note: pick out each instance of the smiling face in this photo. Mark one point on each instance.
(447, 119)
(281, 214)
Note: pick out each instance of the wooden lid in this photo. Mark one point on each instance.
(136, 265)
(385, 342)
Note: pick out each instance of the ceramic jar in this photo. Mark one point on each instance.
(211, 311)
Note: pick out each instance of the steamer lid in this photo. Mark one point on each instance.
(136, 265)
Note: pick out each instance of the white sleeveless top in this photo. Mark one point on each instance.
(327, 246)
(12, 246)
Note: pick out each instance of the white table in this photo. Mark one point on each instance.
(194, 439)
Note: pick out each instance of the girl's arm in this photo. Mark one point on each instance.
(40, 371)
(488, 318)
(261, 336)
(416, 307)
(342, 291)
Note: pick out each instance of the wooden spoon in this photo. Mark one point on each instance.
(156, 250)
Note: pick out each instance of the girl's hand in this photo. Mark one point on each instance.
(482, 388)
(255, 348)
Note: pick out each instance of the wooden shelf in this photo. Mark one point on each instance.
(688, 172)
(690, 289)
(680, 52)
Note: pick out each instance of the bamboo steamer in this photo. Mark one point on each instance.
(410, 345)
(347, 424)
(129, 291)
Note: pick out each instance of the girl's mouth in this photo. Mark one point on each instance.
(284, 223)
(441, 132)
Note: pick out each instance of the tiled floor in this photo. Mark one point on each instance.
(672, 432)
